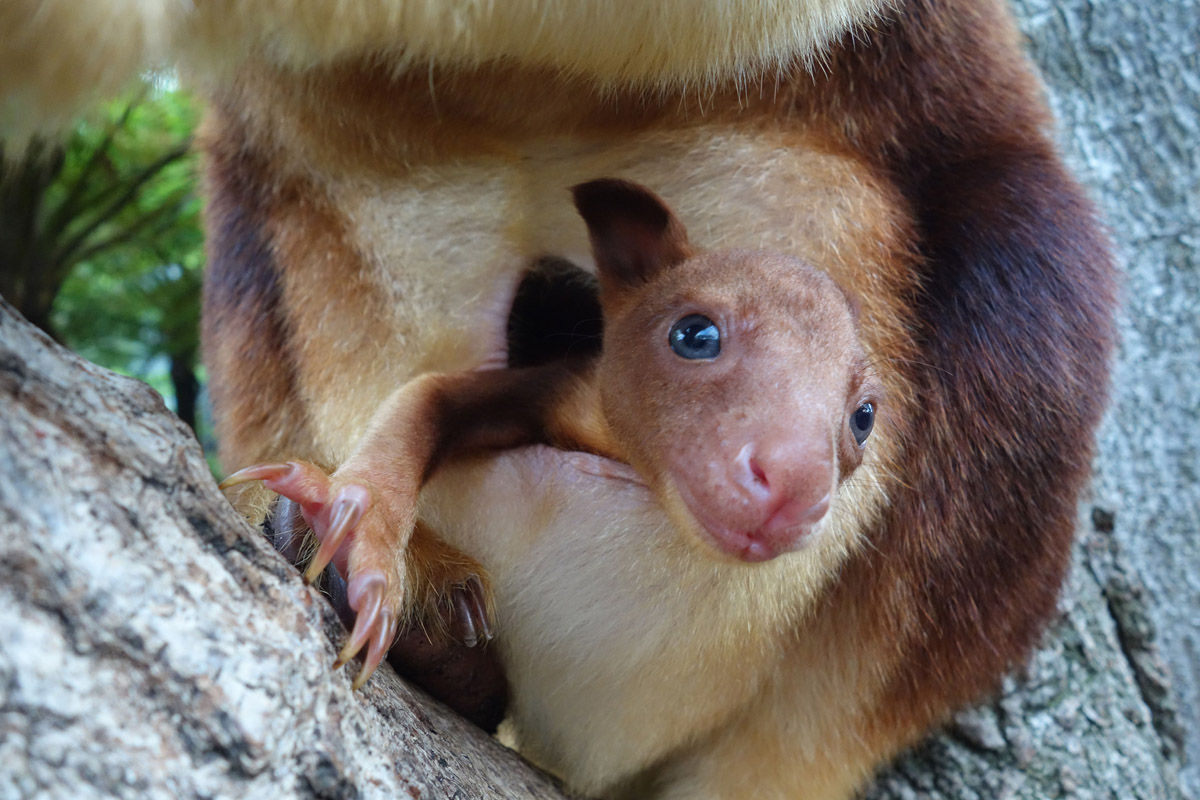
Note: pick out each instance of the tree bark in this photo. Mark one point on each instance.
(155, 646)
(1124, 82)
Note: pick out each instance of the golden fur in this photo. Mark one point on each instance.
(56, 57)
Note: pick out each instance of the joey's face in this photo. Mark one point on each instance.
(737, 381)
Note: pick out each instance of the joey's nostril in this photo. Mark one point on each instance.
(757, 471)
(793, 517)
(749, 474)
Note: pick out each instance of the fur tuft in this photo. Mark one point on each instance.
(57, 56)
(614, 42)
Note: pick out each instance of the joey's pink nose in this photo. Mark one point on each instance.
(787, 491)
(764, 501)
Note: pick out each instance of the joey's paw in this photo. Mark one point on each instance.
(363, 543)
(331, 512)
(431, 648)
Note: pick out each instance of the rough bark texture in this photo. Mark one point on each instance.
(152, 646)
(1124, 81)
(155, 646)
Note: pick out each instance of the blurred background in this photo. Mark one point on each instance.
(100, 236)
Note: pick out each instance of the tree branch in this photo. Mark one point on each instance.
(70, 205)
(156, 646)
(165, 215)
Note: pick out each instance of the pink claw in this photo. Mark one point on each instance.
(381, 642)
(347, 511)
(258, 472)
(365, 595)
(298, 481)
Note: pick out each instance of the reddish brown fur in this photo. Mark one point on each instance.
(245, 320)
(1015, 329)
(1003, 289)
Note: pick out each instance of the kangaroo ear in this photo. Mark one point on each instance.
(633, 232)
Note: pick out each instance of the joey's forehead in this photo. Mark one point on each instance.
(758, 286)
(773, 388)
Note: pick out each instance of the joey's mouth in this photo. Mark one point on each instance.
(751, 546)
(748, 545)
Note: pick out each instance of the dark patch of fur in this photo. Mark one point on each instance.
(251, 374)
(555, 314)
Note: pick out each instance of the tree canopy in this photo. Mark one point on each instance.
(100, 240)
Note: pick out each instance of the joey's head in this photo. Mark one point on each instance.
(734, 380)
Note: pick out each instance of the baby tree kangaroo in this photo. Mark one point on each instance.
(733, 383)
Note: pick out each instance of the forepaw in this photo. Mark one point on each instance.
(358, 538)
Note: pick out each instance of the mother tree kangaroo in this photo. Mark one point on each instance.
(388, 196)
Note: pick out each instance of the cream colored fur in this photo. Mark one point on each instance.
(56, 55)
(645, 41)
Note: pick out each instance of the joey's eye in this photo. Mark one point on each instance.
(695, 336)
(861, 422)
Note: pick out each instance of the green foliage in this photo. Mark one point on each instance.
(131, 298)
(100, 241)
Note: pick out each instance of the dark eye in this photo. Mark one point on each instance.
(695, 336)
(861, 422)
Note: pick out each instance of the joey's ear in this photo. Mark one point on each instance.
(853, 301)
(633, 232)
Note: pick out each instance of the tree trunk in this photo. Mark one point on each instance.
(27, 278)
(186, 387)
(1124, 82)
(154, 646)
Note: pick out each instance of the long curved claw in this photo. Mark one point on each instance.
(365, 593)
(258, 472)
(347, 511)
(299, 481)
(381, 642)
(474, 624)
(337, 517)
